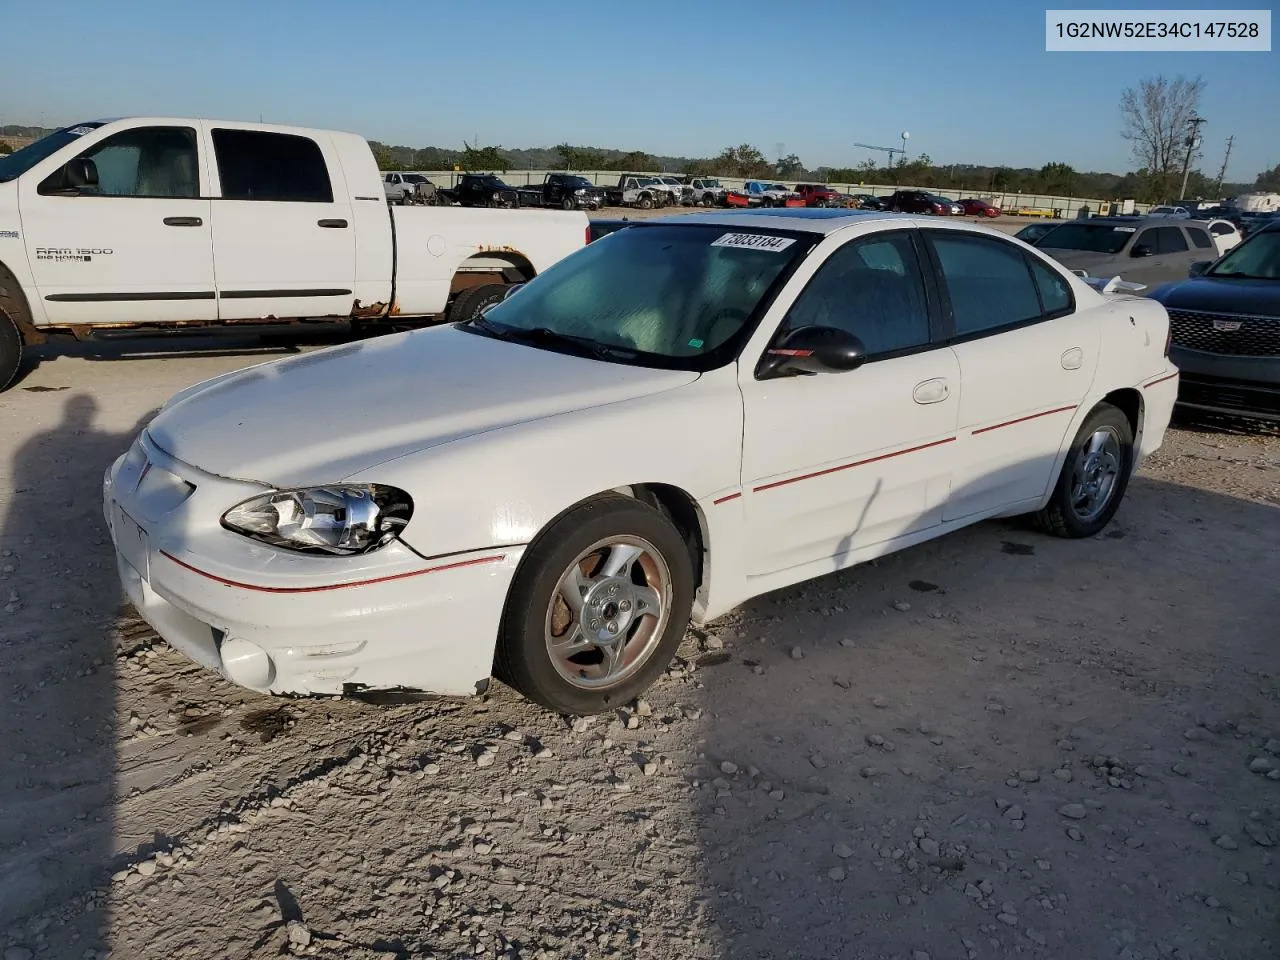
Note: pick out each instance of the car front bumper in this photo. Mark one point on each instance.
(279, 622)
(1219, 383)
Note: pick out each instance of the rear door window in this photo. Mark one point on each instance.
(254, 165)
(1199, 237)
(1170, 240)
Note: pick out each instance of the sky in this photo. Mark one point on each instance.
(970, 83)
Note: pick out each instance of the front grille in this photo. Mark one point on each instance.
(1223, 395)
(1255, 336)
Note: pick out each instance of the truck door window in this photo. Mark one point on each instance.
(142, 162)
(271, 166)
(1170, 240)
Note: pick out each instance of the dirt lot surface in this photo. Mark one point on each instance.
(995, 745)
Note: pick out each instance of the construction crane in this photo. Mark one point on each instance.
(889, 150)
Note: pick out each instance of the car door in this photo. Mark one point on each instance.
(836, 462)
(282, 237)
(1026, 361)
(136, 246)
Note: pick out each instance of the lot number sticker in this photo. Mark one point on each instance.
(754, 241)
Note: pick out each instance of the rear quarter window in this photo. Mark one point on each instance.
(1200, 238)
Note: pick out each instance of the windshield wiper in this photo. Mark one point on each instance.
(1238, 275)
(548, 337)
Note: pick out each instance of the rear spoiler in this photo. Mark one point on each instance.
(1114, 285)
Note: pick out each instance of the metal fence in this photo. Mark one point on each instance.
(1042, 205)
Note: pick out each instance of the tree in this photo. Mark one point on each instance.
(636, 161)
(385, 159)
(1268, 180)
(1155, 115)
(790, 167)
(1058, 179)
(743, 160)
(5, 148)
(482, 159)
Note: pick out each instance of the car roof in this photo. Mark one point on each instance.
(821, 220)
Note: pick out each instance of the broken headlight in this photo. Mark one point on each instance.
(341, 520)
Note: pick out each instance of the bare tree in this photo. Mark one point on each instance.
(1155, 115)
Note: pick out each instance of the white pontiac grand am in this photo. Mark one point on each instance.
(684, 414)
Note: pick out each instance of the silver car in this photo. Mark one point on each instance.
(1147, 250)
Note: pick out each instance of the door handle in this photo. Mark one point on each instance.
(1073, 359)
(335, 224)
(183, 222)
(931, 391)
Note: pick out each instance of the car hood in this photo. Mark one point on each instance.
(323, 416)
(1255, 297)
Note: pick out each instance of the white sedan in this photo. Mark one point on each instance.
(687, 413)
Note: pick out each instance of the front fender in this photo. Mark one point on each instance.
(503, 487)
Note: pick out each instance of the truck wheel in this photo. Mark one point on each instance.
(469, 303)
(10, 350)
(566, 203)
(708, 200)
(646, 202)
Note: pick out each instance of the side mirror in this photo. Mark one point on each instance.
(1141, 250)
(511, 290)
(810, 350)
(1198, 268)
(71, 179)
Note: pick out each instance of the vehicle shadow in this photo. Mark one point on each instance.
(59, 595)
(266, 341)
(884, 781)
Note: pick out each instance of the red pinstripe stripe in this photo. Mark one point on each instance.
(850, 466)
(1161, 380)
(331, 586)
(1033, 416)
(726, 499)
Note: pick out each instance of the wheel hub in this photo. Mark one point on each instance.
(608, 609)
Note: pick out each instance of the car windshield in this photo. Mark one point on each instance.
(578, 181)
(1257, 258)
(673, 296)
(15, 164)
(1092, 237)
(415, 178)
(711, 183)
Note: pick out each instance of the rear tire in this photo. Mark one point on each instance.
(469, 303)
(10, 350)
(1094, 476)
(571, 662)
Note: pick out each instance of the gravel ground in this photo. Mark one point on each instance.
(994, 745)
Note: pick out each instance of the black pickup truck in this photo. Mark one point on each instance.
(565, 190)
(481, 190)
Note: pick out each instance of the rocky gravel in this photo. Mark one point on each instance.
(1052, 749)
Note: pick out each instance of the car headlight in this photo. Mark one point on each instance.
(342, 519)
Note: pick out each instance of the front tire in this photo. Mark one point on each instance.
(10, 350)
(1094, 476)
(598, 607)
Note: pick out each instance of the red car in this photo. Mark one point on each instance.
(978, 208)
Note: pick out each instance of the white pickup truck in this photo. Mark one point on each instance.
(162, 223)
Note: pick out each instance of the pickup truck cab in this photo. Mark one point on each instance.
(820, 195)
(155, 222)
(484, 190)
(568, 191)
(638, 190)
(405, 188)
(768, 194)
(706, 191)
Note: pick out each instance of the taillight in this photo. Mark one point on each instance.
(587, 235)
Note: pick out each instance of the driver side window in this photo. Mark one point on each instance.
(871, 288)
(146, 162)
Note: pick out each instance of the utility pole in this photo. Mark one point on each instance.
(1222, 173)
(1192, 141)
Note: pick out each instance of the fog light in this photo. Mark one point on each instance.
(247, 664)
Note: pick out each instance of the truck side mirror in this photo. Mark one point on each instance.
(1141, 250)
(71, 179)
(1198, 268)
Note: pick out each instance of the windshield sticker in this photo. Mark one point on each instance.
(80, 131)
(754, 241)
(1125, 229)
(695, 343)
